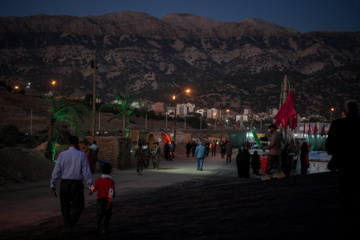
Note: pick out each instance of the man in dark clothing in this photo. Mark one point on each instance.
(213, 148)
(188, 148)
(147, 155)
(93, 156)
(140, 158)
(273, 156)
(167, 151)
(342, 143)
(193, 147)
(207, 147)
(222, 149)
(228, 151)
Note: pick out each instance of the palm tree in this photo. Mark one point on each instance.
(125, 108)
(62, 110)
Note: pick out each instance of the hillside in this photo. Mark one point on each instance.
(226, 64)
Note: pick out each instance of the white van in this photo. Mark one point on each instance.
(257, 148)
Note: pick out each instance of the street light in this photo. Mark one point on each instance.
(53, 84)
(331, 113)
(221, 121)
(175, 97)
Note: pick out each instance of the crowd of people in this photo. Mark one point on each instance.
(73, 167)
(284, 159)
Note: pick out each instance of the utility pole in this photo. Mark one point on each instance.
(221, 122)
(145, 121)
(99, 123)
(176, 96)
(94, 98)
(31, 117)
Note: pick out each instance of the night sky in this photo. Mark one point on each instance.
(304, 16)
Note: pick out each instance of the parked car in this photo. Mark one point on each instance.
(257, 148)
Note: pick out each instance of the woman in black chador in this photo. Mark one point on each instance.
(286, 160)
(303, 161)
(243, 163)
(255, 163)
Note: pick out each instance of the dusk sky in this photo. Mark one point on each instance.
(304, 16)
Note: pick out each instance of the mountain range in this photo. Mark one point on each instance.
(232, 65)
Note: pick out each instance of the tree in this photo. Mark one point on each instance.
(11, 134)
(62, 110)
(125, 107)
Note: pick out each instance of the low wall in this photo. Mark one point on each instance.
(108, 148)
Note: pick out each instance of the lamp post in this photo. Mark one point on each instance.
(214, 121)
(221, 121)
(94, 67)
(175, 97)
(53, 84)
(331, 113)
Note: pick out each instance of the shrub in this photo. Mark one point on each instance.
(10, 129)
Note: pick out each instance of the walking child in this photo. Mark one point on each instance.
(105, 186)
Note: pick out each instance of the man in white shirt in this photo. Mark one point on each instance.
(72, 168)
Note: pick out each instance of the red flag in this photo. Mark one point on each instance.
(309, 131)
(293, 122)
(323, 130)
(286, 111)
(304, 130)
(238, 125)
(315, 129)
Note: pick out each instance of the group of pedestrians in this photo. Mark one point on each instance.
(144, 154)
(169, 150)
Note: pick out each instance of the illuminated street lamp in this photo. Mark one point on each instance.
(175, 97)
(53, 84)
(221, 121)
(331, 113)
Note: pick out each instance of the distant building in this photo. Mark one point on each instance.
(243, 118)
(170, 111)
(190, 107)
(141, 105)
(185, 109)
(159, 108)
(202, 112)
(272, 112)
(213, 113)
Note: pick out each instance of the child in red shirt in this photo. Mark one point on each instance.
(105, 186)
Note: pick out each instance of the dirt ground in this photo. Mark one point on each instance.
(178, 202)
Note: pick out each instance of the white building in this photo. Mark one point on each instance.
(202, 112)
(273, 112)
(185, 109)
(170, 111)
(213, 113)
(243, 118)
(247, 111)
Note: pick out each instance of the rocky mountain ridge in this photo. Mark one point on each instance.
(226, 64)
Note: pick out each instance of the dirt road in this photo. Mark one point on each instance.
(179, 202)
